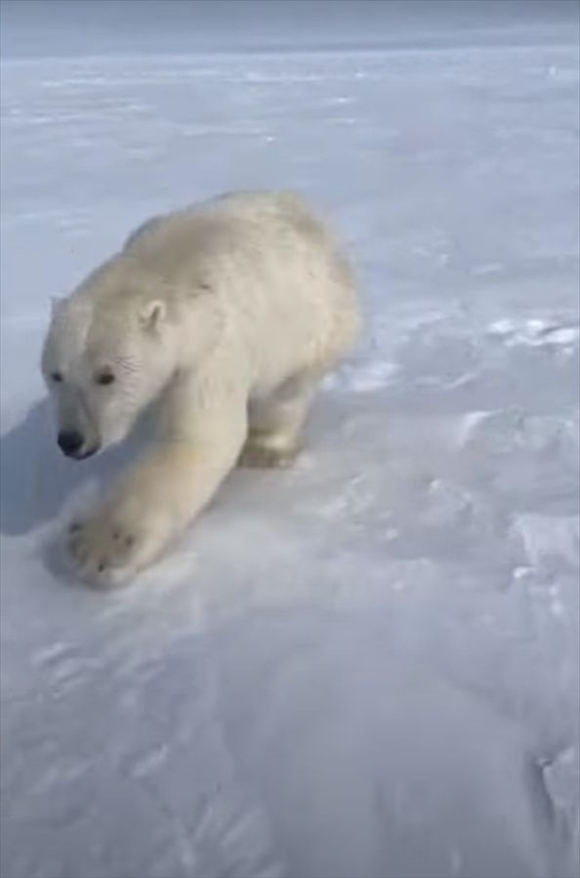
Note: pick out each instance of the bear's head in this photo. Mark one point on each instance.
(105, 360)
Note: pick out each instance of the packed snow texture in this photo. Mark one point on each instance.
(369, 665)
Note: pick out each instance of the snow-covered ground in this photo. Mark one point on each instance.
(367, 666)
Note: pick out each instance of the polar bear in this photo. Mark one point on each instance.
(224, 316)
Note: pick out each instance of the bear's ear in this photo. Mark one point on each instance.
(152, 315)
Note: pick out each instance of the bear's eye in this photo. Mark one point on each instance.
(104, 378)
(56, 377)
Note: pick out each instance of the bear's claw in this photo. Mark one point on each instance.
(254, 456)
(102, 551)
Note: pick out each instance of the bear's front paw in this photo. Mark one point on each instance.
(107, 551)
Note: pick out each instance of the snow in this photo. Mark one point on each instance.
(368, 665)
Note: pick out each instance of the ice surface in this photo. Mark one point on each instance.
(369, 665)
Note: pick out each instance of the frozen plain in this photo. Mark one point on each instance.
(369, 665)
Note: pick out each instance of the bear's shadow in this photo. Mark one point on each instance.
(37, 482)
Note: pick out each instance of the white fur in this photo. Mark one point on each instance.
(227, 314)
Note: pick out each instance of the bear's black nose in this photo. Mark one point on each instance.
(70, 442)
